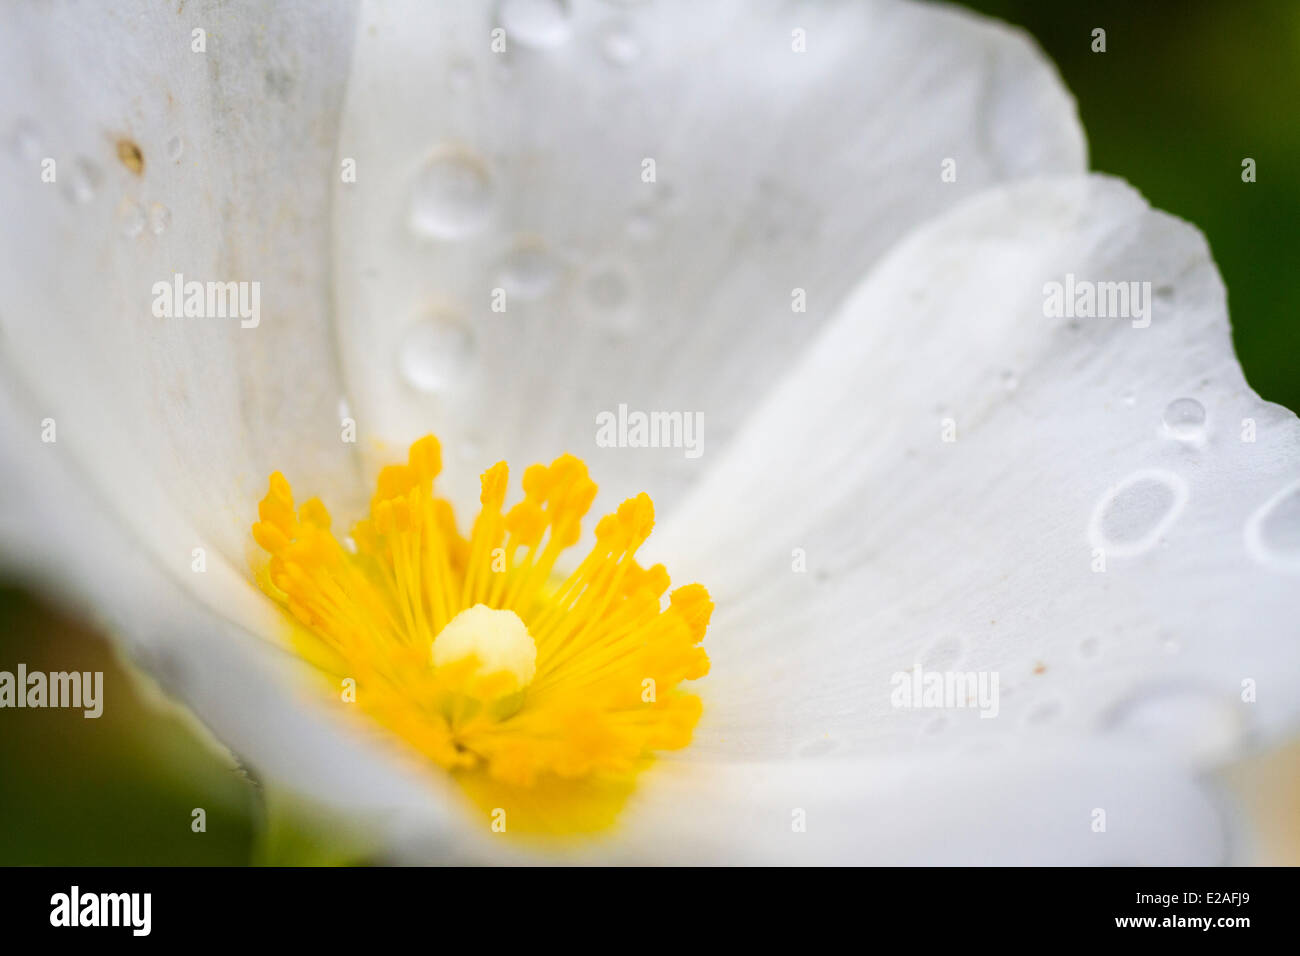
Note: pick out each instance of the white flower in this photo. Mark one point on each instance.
(1098, 511)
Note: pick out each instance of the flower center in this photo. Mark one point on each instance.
(544, 695)
(498, 644)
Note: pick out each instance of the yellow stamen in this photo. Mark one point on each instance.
(544, 696)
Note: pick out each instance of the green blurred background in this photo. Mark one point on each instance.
(1184, 92)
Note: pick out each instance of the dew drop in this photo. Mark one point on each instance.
(1132, 516)
(160, 217)
(1089, 648)
(1184, 419)
(535, 23)
(26, 141)
(1273, 531)
(1129, 398)
(1186, 721)
(175, 148)
(83, 181)
(642, 224)
(529, 271)
(459, 76)
(1009, 381)
(452, 196)
(607, 293)
(620, 45)
(434, 352)
(130, 217)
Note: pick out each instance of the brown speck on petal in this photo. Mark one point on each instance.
(130, 155)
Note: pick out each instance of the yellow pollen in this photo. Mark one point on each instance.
(544, 692)
(497, 642)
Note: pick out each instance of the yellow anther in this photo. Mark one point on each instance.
(313, 512)
(269, 537)
(425, 459)
(493, 485)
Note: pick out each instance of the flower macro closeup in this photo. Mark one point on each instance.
(571, 431)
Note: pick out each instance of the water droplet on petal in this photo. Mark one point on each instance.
(1089, 647)
(160, 217)
(1129, 398)
(1184, 419)
(529, 271)
(1273, 531)
(82, 181)
(642, 224)
(459, 76)
(535, 23)
(1132, 516)
(608, 294)
(130, 217)
(1009, 381)
(1189, 722)
(26, 141)
(452, 196)
(620, 45)
(435, 352)
(174, 148)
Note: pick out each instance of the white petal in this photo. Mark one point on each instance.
(979, 554)
(166, 428)
(1080, 802)
(522, 171)
(176, 421)
(1039, 807)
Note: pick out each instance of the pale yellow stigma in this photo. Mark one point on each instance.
(497, 641)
